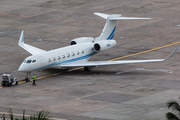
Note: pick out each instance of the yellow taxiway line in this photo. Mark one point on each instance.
(116, 58)
(108, 60)
(145, 51)
(82, 67)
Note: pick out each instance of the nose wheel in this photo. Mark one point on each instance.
(27, 79)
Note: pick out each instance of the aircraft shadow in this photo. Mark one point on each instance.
(97, 72)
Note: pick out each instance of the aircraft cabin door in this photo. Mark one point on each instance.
(42, 61)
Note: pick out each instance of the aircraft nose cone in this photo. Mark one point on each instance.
(22, 68)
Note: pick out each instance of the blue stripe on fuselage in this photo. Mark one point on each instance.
(68, 61)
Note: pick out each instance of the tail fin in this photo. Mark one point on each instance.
(110, 26)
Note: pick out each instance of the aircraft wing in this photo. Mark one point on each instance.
(99, 63)
(31, 49)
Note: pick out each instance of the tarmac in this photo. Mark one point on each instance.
(117, 92)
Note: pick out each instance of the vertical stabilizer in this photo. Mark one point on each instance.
(110, 26)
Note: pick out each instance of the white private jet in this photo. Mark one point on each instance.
(78, 52)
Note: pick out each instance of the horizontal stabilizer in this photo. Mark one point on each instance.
(105, 16)
(31, 49)
(110, 26)
(127, 18)
(118, 17)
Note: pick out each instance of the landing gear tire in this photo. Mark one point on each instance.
(87, 69)
(9, 85)
(27, 79)
(3, 83)
(16, 82)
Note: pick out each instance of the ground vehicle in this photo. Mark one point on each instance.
(8, 80)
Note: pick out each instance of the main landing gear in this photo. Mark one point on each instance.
(87, 68)
(27, 79)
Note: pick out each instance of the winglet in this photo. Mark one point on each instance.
(171, 53)
(31, 49)
(21, 39)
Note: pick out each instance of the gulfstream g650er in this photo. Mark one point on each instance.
(78, 52)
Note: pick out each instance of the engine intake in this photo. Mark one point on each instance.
(97, 47)
(81, 40)
(73, 43)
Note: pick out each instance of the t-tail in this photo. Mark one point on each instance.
(110, 26)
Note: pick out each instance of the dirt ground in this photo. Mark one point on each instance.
(117, 92)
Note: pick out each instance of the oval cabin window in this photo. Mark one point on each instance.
(49, 60)
(73, 54)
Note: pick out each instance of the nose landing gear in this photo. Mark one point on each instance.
(27, 79)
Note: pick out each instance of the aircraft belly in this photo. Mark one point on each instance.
(56, 67)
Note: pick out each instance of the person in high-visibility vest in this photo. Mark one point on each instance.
(3, 117)
(34, 79)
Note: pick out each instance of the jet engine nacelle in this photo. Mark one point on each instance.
(104, 45)
(81, 40)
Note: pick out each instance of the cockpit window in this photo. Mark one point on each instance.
(28, 61)
(24, 61)
(33, 61)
